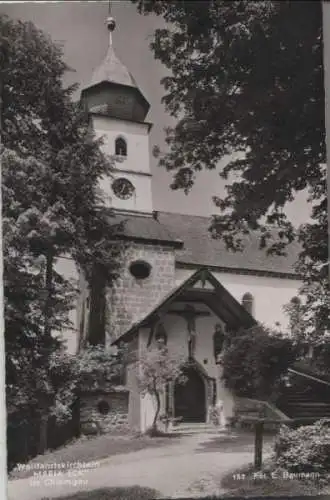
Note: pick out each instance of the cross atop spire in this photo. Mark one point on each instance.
(111, 68)
(111, 24)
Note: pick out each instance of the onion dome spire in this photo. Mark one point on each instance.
(113, 90)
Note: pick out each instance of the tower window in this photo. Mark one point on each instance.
(247, 302)
(120, 147)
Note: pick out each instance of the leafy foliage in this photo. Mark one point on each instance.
(65, 376)
(243, 74)
(256, 361)
(155, 369)
(306, 449)
(51, 165)
(93, 368)
(98, 367)
(246, 86)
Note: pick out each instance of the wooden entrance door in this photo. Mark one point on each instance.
(190, 398)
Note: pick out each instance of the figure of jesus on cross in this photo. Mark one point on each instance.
(189, 314)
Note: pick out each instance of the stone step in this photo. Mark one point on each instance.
(306, 396)
(306, 400)
(309, 410)
(192, 428)
(297, 412)
(308, 404)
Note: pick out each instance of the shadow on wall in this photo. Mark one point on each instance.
(129, 493)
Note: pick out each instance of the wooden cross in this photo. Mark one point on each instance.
(190, 314)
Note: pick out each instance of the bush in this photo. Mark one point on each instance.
(256, 361)
(306, 449)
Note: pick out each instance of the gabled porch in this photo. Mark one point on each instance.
(197, 318)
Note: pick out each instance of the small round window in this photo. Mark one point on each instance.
(103, 407)
(140, 269)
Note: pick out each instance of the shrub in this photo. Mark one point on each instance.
(256, 361)
(156, 368)
(306, 449)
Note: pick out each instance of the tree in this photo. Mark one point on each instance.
(62, 379)
(156, 368)
(256, 361)
(246, 83)
(51, 206)
(98, 367)
(95, 367)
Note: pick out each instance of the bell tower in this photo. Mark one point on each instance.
(118, 109)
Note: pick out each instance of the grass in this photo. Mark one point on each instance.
(92, 449)
(130, 493)
(245, 483)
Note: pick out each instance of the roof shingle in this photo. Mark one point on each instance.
(201, 249)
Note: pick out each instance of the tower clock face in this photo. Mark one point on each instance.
(123, 188)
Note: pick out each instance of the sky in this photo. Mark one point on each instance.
(80, 28)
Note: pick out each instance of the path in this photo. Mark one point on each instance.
(193, 466)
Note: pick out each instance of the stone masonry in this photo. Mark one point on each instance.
(114, 419)
(131, 299)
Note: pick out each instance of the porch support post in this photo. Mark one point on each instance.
(171, 399)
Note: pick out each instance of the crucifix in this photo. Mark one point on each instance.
(190, 314)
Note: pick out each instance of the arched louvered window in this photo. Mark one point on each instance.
(247, 302)
(295, 315)
(120, 147)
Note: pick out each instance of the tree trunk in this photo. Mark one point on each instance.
(154, 423)
(96, 326)
(1, 103)
(48, 287)
(43, 438)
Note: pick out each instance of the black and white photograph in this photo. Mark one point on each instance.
(165, 247)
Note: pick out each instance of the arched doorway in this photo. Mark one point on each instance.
(190, 397)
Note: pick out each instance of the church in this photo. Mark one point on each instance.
(177, 282)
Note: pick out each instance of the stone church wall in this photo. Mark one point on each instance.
(131, 299)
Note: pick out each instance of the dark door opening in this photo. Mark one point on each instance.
(189, 398)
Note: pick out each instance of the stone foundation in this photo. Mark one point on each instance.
(104, 412)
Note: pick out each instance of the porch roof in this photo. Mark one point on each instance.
(195, 289)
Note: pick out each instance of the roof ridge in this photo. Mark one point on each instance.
(182, 214)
